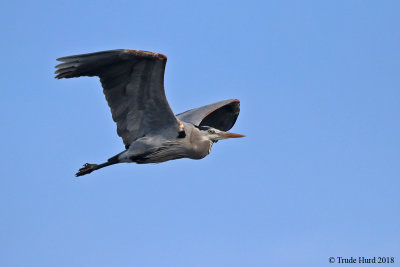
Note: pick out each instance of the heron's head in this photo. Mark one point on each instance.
(215, 135)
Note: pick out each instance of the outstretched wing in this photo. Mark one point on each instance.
(221, 115)
(133, 83)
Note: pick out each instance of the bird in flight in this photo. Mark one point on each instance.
(133, 84)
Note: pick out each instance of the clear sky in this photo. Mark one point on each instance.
(316, 177)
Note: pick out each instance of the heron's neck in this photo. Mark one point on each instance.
(201, 143)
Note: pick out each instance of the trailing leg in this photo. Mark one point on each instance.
(88, 168)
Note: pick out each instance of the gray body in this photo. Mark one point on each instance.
(156, 149)
(133, 83)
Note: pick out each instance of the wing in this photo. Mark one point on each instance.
(133, 83)
(221, 115)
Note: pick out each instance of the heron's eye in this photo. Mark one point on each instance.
(211, 131)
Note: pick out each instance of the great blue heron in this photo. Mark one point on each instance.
(133, 83)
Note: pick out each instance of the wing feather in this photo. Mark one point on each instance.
(133, 84)
(221, 115)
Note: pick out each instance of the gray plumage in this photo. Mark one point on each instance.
(133, 84)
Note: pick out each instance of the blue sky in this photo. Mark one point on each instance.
(316, 177)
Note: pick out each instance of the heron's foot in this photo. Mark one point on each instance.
(86, 169)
